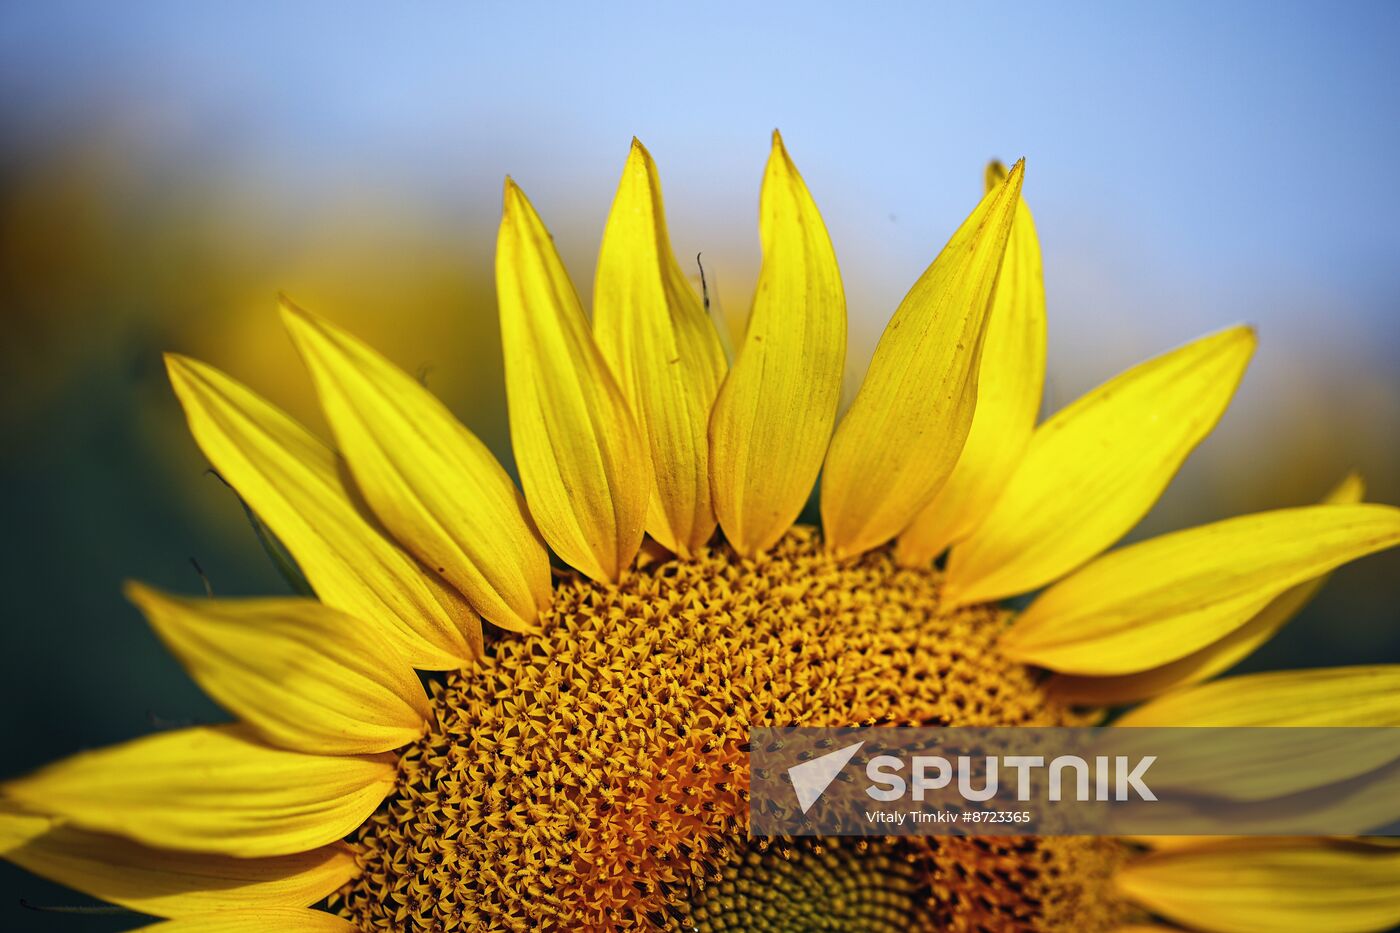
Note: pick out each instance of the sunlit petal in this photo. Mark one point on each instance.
(1158, 600)
(164, 882)
(305, 676)
(280, 919)
(1009, 384)
(1095, 468)
(294, 483)
(1270, 886)
(651, 327)
(1218, 656)
(212, 789)
(773, 418)
(1367, 695)
(581, 458)
(901, 438)
(433, 484)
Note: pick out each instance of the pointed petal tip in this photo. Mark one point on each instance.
(517, 213)
(180, 368)
(510, 194)
(1245, 333)
(1016, 177)
(1245, 337)
(516, 208)
(1351, 489)
(996, 177)
(639, 160)
(779, 149)
(302, 324)
(288, 308)
(996, 174)
(137, 592)
(144, 596)
(780, 165)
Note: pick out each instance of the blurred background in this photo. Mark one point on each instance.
(167, 168)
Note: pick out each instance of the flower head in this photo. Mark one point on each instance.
(581, 762)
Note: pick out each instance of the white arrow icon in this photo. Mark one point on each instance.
(811, 778)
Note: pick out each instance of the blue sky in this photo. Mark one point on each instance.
(1190, 164)
(1227, 158)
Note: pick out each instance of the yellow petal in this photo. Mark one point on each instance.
(773, 417)
(1366, 695)
(293, 482)
(1198, 666)
(901, 438)
(304, 676)
(1270, 886)
(1180, 842)
(1162, 599)
(163, 882)
(1009, 384)
(1273, 762)
(1289, 782)
(433, 484)
(1096, 467)
(212, 789)
(1164, 843)
(580, 455)
(658, 339)
(1218, 656)
(279, 919)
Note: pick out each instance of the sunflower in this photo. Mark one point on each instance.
(578, 763)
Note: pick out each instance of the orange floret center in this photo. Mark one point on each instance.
(593, 776)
